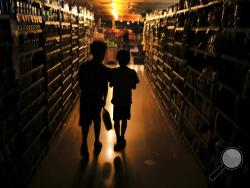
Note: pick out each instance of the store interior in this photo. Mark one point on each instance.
(189, 126)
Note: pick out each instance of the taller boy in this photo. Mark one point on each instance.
(93, 81)
(123, 80)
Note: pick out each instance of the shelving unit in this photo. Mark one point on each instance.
(201, 82)
(40, 53)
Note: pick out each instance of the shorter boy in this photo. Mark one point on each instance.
(123, 81)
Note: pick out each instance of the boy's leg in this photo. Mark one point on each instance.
(117, 129)
(124, 128)
(97, 129)
(117, 146)
(85, 132)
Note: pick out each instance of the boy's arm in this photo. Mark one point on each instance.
(135, 80)
(105, 94)
(111, 83)
(108, 77)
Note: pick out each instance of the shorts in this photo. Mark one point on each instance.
(121, 112)
(89, 112)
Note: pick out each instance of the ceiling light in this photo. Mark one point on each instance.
(115, 14)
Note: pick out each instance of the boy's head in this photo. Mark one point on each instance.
(123, 57)
(98, 49)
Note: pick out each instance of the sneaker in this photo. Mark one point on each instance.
(97, 147)
(117, 147)
(123, 143)
(84, 150)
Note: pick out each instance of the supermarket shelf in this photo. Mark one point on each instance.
(67, 112)
(56, 131)
(75, 48)
(178, 75)
(32, 85)
(33, 118)
(165, 105)
(75, 99)
(198, 91)
(176, 106)
(53, 52)
(66, 58)
(74, 25)
(30, 17)
(236, 29)
(75, 37)
(4, 17)
(167, 76)
(29, 32)
(30, 52)
(203, 29)
(66, 11)
(54, 118)
(75, 60)
(66, 69)
(54, 67)
(67, 100)
(66, 79)
(56, 37)
(82, 59)
(183, 11)
(51, 6)
(34, 141)
(235, 59)
(179, 59)
(42, 153)
(67, 89)
(198, 111)
(75, 74)
(168, 54)
(178, 43)
(66, 36)
(228, 88)
(32, 71)
(177, 89)
(52, 23)
(54, 105)
(83, 47)
(202, 52)
(55, 79)
(76, 84)
(216, 2)
(54, 94)
(205, 144)
(194, 153)
(66, 47)
(24, 111)
(167, 66)
(236, 126)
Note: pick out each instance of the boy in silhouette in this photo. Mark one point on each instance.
(93, 81)
(123, 81)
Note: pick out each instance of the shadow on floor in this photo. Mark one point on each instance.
(93, 175)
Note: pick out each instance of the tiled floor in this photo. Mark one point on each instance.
(154, 157)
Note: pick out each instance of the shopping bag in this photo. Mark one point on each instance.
(106, 119)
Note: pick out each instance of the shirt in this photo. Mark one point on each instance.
(123, 80)
(93, 81)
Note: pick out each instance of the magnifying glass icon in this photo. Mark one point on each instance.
(231, 159)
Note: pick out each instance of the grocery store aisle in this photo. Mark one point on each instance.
(154, 156)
